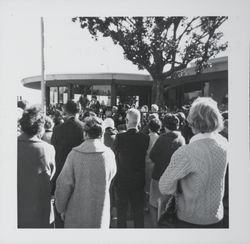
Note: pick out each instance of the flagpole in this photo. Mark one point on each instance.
(43, 82)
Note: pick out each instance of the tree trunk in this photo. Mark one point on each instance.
(158, 92)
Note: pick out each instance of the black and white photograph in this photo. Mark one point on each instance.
(124, 122)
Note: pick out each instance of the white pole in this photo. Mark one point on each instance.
(43, 82)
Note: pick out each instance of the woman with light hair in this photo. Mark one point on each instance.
(198, 169)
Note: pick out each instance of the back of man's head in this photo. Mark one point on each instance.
(71, 107)
(133, 117)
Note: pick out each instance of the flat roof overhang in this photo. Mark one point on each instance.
(218, 70)
(64, 80)
(88, 79)
(219, 75)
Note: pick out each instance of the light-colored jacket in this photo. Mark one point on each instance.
(200, 167)
(82, 188)
(149, 165)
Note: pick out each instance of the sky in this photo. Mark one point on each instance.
(68, 49)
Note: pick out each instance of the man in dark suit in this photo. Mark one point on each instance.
(130, 149)
(66, 136)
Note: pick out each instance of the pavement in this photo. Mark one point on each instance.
(130, 222)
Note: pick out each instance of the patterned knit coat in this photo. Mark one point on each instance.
(82, 188)
(200, 167)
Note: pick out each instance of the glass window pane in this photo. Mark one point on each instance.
(190, 96)
(104, 90)
(138, 95)
(63, 94)
(206, 89)
(53, 95)
(102, 93)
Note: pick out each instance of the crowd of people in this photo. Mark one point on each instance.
(82, 168)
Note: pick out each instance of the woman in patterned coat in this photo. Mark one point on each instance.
(82, 188)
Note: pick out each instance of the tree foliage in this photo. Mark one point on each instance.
(163, 46)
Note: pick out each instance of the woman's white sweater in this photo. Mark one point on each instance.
(200, 167)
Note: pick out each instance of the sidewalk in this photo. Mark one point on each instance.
(130, 222)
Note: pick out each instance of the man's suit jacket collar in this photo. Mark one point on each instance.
(132, 130)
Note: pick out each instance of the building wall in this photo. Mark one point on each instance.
(218, 89)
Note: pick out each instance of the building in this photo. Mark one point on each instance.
(112, 88)
(212, 82)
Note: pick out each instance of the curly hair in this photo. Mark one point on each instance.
(49, 124)
(154, 125)
(32, 121)
(182, 118)
(93, 127)
(171, 121)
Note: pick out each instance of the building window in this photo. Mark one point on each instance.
(206, 89)
(138, 95)
(58, 95)
(189, 97)
(102, 93)
(53, 95)
(63, 94)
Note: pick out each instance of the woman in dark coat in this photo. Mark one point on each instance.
(160, 155)
(35, 169)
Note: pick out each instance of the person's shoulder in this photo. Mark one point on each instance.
(79, 122)
(181, 139)
(143, 135)
(47, 146)
(163, 137)
(108, 151)
(119, 135)
(72, 123)
(58, 127)
(181, 152)
(110, 132)
(153, 136)
(221, 141)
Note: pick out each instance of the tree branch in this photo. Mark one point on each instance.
(185, 30)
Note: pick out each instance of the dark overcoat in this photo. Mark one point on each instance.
(130, 149)
(35, 161)
(64, 138)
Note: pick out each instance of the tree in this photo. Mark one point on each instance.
(164, 46)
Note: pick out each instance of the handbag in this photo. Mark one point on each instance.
(167, 209)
